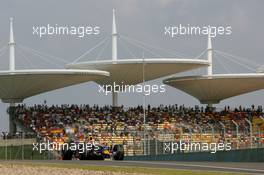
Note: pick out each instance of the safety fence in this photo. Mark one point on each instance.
(22, 149)
(20, 146)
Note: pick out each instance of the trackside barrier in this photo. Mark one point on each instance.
(243, 155)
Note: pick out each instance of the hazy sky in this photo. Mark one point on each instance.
(140, 19)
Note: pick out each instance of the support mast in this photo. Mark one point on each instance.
(114, 56)
(11, 44)
(210, 56)
(210, 60)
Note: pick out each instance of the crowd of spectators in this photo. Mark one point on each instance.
(83, 121)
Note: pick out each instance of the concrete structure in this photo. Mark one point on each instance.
(16, 85)
(212, 88)
(130, 71)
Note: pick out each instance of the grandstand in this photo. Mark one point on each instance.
(14, 83)
(67, 123)
(142, 130)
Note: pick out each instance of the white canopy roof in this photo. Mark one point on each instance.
(130, 71)
(213, 89)
(17, 85)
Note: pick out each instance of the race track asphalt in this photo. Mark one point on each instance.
(249, 168)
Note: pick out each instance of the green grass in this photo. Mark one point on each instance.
(154, 171)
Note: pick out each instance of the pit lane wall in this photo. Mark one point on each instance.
(242, 155)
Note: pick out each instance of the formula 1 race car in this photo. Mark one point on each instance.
(103, 152)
